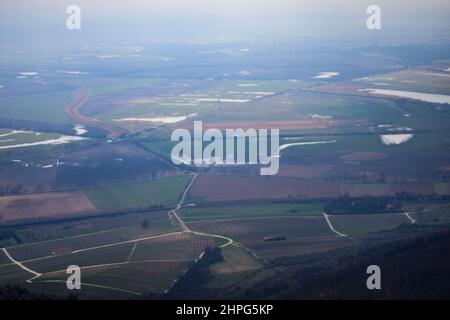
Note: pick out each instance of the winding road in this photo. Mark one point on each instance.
(173, 215)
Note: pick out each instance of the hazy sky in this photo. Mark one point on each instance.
(175, 20)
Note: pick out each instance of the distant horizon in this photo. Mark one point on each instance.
(218, 21)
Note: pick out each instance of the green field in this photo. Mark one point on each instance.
(12, 274)
(442, 188)
(150, 266)
(100, 282)
(104, 255)
(49, 231)
(269, 210)
(173, 247)
(308, 104)
(166, 108)
(417, 80)
(300, 246)
(142, 277)
(362, 225)
(429, 213)
(252, 231)
(203, 101)
(154, 193)
(48, 107)
(3, 258)
(47, 248)
(99, 85)
(58, 290)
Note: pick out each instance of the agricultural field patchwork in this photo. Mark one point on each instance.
(61, 245)
(87, 176)
(295, 232)
(252, 231)
(155, 193)
(157, 221)
(166, 256)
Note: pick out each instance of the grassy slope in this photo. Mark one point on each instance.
(238, 263)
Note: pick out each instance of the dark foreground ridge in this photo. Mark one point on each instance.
(414, 262)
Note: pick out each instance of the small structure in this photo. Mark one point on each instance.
(275, 238)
